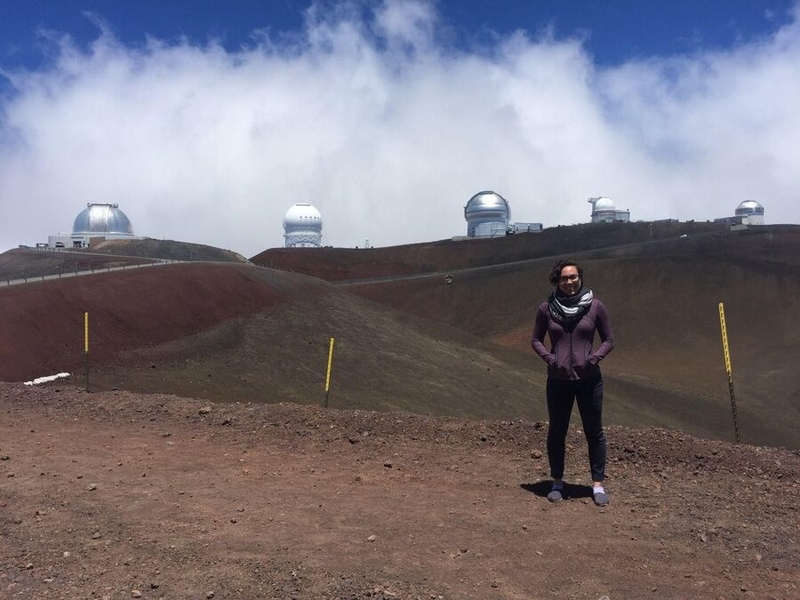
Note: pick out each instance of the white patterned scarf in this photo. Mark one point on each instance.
(567, 309)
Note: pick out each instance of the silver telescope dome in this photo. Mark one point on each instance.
(487, 214)
(751, 212)
(749, 207)
(102, 219)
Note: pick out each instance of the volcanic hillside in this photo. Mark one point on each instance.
(662, 283)
(28, 263)
(238, 332)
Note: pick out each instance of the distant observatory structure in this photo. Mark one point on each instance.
(96, 221)
(751, 212)
(604, 211)
(302, 227)
(748, 212)
(488, 214)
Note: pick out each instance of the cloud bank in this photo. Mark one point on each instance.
(387, 129)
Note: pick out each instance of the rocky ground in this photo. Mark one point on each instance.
(116, 495)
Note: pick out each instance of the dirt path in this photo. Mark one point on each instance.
(113, 495)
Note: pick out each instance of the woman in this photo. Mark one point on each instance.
(571, 316)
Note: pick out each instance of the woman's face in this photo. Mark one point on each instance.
(569, 282)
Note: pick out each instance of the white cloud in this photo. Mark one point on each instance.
(389, 133)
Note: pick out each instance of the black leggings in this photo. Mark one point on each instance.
(560, 397)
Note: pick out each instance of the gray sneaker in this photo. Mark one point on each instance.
(601, 499)
(555, 496)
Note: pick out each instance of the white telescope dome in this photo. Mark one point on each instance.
(302, 215)
(603, 210)
(302, 227)
(603, 203)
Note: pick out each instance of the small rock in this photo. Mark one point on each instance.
(136, 593)
(97, 535)
(5, 457)
(372, 538)
(387, 464)
(210, 595)
(205, 410)
(92, 487)
(536, 454)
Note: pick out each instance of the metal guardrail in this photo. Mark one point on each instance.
(65, 275)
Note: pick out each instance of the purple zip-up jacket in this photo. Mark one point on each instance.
(571, 355)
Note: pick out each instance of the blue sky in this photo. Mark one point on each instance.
(388, 116)
(614, 31)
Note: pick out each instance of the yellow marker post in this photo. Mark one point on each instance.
(728, 368)
(328, 376)
(86, 345)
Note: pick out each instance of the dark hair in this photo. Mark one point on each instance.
(555, 274)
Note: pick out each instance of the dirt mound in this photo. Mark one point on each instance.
(30, 264)
(115, 495)
(42, 330)
(339, 264)
(168, 250)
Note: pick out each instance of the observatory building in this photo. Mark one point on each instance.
(748, 212)
(96, 221)
(751, 212)
(604, 211)
(488, 215)
(302, 227)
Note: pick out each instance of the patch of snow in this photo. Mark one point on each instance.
(46, 378)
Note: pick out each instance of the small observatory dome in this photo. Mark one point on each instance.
(752, 212)
(302, 227)
(603, 210)
(102, 220)
(487, 214)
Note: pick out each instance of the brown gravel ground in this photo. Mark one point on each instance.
(117, 495)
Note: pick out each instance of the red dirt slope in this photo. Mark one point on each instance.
(42, 332)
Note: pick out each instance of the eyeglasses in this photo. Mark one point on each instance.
(568, 278)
